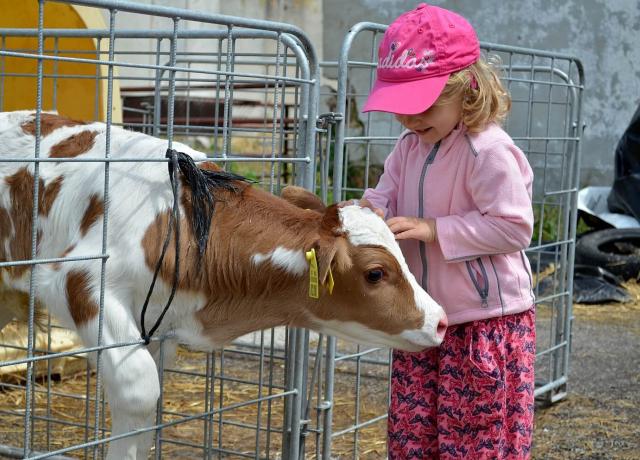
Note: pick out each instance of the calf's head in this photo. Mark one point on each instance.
(375, 298)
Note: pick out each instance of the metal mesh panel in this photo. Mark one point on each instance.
(239, 90)
(545, 122)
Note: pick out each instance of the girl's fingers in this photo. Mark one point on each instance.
(397, 224)
(396, 227)
(394, 221)
(410, 228)
(406, 235)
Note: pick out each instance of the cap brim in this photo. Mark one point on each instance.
(405, 98)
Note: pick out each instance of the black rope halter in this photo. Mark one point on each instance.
(174, 220)
(201, 182)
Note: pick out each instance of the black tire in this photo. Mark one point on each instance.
(617, 250)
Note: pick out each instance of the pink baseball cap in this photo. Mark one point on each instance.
(418, 52)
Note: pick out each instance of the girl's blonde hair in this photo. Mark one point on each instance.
(484, 99)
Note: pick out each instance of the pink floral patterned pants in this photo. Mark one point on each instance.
(470, 398)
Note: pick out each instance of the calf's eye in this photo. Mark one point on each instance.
(374, 275)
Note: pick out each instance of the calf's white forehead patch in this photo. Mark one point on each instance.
(290, 260)
(364, 227)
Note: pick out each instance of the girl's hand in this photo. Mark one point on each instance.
(413, 228)
(363, 203)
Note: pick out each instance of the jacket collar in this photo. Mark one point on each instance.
(446, 143)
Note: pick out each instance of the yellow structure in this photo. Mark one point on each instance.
(78, 94)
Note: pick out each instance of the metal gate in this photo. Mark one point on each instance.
(244, 91)
(545, 122)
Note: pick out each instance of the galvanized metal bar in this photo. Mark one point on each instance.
(105, 224)
(220, 402)
(194, 15)
(54, 97)
(13, 452)
(10, 386)
(79, 351)
(50, 420)
(356, 432)
(259, 403)
(284, 119)
(216, 133)
(142, 66)
(49, 386)
(577, 129)
(28, 428)
(3, 45)
(159, 404)
(172, 85)
(209, 402)
(290, 344)
(227, 95)
(150, 160)
(358, 426)
(274, 119)
(134, 33)
(157, 100)
(271, 387)
(297, 397)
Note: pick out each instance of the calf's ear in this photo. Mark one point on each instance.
(333, 249)
(332, 254)
(302, 198)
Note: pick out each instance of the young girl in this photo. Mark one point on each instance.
(456, 192)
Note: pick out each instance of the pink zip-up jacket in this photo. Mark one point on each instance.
(478, 188)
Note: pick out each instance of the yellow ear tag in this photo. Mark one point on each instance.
(313, 273)
(330, 282)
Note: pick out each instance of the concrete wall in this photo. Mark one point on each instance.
(604, 34)
(302, 13)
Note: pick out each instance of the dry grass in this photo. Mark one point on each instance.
(616, 313)
(581, 427)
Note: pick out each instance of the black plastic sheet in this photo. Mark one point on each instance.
(624, 197)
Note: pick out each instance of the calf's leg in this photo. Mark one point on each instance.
(130, 380)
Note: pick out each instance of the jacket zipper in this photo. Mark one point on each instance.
(524, 264)
(497, 283)
(483, 291)
(423, 245)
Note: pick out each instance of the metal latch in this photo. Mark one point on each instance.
(330, 118)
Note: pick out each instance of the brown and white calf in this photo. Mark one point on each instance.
(252, 275)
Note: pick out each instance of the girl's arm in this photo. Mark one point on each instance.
(503, 222)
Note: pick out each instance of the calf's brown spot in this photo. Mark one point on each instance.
(49, 194)
(5, 232)
(74, 145)
(49, 122)
(81, 306)
(21, 196)
(91, 214)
